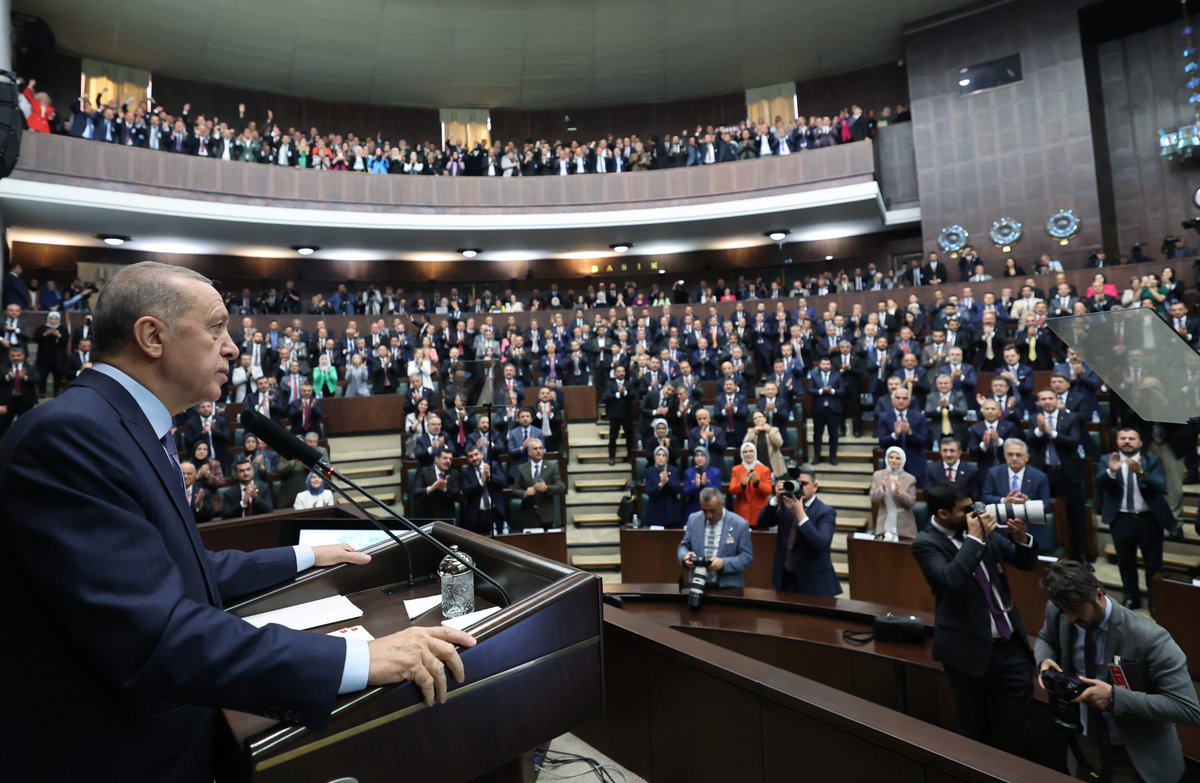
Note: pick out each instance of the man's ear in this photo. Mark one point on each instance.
(148, 336)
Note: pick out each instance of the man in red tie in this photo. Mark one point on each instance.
(18, 389)
(951, 468)
(305, 413)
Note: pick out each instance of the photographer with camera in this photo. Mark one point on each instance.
(721, 538)
(805, 528)
(1127, 676)
(978, 635)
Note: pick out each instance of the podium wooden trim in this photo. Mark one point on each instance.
(547, 643)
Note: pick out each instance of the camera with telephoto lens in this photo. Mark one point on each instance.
(697, 580)
(1063, 690)
(791, 484)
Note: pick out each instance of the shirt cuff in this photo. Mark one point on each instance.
(1028, 542)
(974, 538)
(357, 668)
(305, 558)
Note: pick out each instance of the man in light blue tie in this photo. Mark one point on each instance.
(1017, 482)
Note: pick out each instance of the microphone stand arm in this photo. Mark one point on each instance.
(330, 472)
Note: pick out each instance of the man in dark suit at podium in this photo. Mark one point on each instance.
(978, 635)
(127, 650)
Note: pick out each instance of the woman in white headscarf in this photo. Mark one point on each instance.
(894, 490)
(750, 485)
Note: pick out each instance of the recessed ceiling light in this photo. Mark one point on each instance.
(305, 250)
(662, 271)
(116, 240)
(778, 235)
(828, 258)
(964, 82)
(469, 252)
(621, 247)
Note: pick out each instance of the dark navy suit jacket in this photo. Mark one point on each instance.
(914, 445)
(812, 567)
(124, 645)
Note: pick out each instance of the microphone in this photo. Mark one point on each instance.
(288, 445)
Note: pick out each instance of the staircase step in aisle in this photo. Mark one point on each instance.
(596, 519)
(597, 562)
(846, 502)
(601, 485)
(1184, 562)
(368, 472)
(844, 485)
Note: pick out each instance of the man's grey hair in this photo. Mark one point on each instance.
(709, 494)
(147, 288)
(1017, 442)
(532, 441)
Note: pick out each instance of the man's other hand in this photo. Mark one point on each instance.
(332, 554)
(421, 655)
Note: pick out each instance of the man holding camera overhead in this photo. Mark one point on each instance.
(978, 635)
(1134, 678)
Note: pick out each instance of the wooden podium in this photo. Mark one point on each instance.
(535, 673)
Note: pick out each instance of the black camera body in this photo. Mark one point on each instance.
(1063, 690)
(701, 562)
(791, 484)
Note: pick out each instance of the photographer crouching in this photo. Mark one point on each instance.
(716, 543)
(1126, 674)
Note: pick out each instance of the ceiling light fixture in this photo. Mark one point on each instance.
(778, 235)
(620, 247)
(469, 252)
(964, 82)
(305, 250)
(115, 240)
(828, 258)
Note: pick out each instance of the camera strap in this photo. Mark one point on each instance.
(1104, 774)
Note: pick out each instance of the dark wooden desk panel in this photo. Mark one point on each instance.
(1178, 606)
(654, 670)
(650, 556)
(263, 531)
(550, 545)
(579, 402)
(356, 415)
(887, 572)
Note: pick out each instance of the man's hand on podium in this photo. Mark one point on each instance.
(332, 554)
(421, 655)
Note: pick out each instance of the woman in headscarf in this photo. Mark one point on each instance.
(767, 440)
(750, 485)
(316, 496)
(208, 467)
(660, 435)
(324, 378)
(894, 490)
(265, 462)
(661, 485)
(696, 478)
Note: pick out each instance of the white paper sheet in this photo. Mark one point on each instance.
(353, 632)
(419, 606)
(301, 617)
(467, 620)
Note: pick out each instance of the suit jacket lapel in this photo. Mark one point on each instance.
(1116, 624)
(135, 423)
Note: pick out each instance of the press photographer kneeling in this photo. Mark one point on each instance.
(1134, 678)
